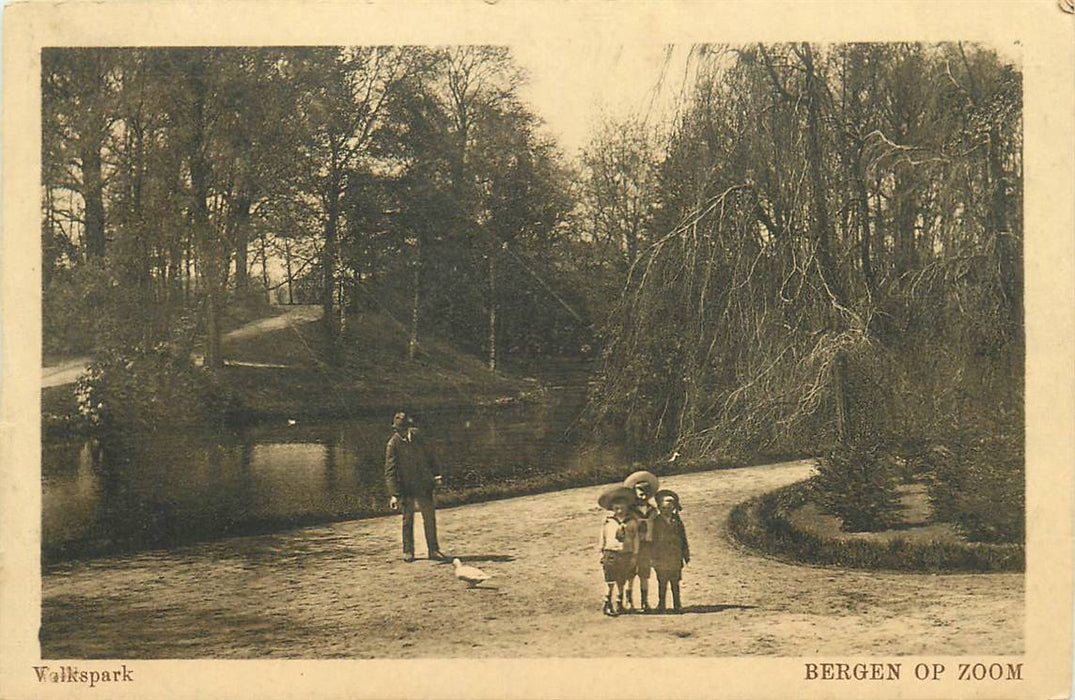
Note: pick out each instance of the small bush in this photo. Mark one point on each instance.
(80, 310)
(978, 485)
(858, 483)
(91, 308)
(146, 390)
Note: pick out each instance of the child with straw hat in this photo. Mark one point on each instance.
(643, 485)
(619, 544)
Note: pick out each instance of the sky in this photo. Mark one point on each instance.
(573, 82)
(575, 79)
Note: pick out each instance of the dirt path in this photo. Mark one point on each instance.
(292, 317)
(68, 372)
(341, 590)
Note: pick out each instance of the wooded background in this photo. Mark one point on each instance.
(822, 245)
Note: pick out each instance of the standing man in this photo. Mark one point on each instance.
(411, 475)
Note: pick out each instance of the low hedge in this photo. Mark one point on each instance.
(762, 523)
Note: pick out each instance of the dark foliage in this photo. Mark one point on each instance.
(858, 484)
(978, 485)
(85, 308)
(143, 391)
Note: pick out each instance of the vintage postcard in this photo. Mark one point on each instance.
(518, 349)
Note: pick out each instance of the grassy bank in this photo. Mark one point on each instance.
(367, 372)
(291, 373)
(783, 523)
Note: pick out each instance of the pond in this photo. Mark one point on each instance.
(167, 489)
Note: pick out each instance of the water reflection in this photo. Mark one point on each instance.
(166, 489)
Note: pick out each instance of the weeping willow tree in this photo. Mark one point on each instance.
(837, 253)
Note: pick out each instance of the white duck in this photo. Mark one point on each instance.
(471, 575)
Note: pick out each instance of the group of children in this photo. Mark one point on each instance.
(643, 532)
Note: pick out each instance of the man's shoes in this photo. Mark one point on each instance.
(408, 557)
(437, 555)
(608, 609)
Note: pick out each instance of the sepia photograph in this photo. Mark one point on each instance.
(480, 349)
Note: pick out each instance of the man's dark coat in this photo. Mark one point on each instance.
(408, 467)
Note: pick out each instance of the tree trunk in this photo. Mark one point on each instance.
(631, 238)
(242, 242)
(290, 274)
(174, 244)
(142, 265)
(492, 311)
(48, 241)
(864, 228)
(187, 273)
(905, 215)
(93, 197)
(341, 306)
(878, 222)
(328, 268)
(412, 346)
(820, 222)
(1007, 265)
(264, 263)
(843, 414)
(209, 253)
(214, 358)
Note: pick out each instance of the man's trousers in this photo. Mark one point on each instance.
(424, 505)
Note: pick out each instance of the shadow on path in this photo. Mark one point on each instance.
(689, 610)
(700, 609)
(465, 558)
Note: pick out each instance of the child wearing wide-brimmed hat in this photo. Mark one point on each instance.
(619, 544)
(643, 485)
(669, 550)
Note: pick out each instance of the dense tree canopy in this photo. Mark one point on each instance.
(392, 178)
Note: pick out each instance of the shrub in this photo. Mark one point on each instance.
(91, 308)
(78, 310)
(145, 390)
(977, 485)
(857, 483)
